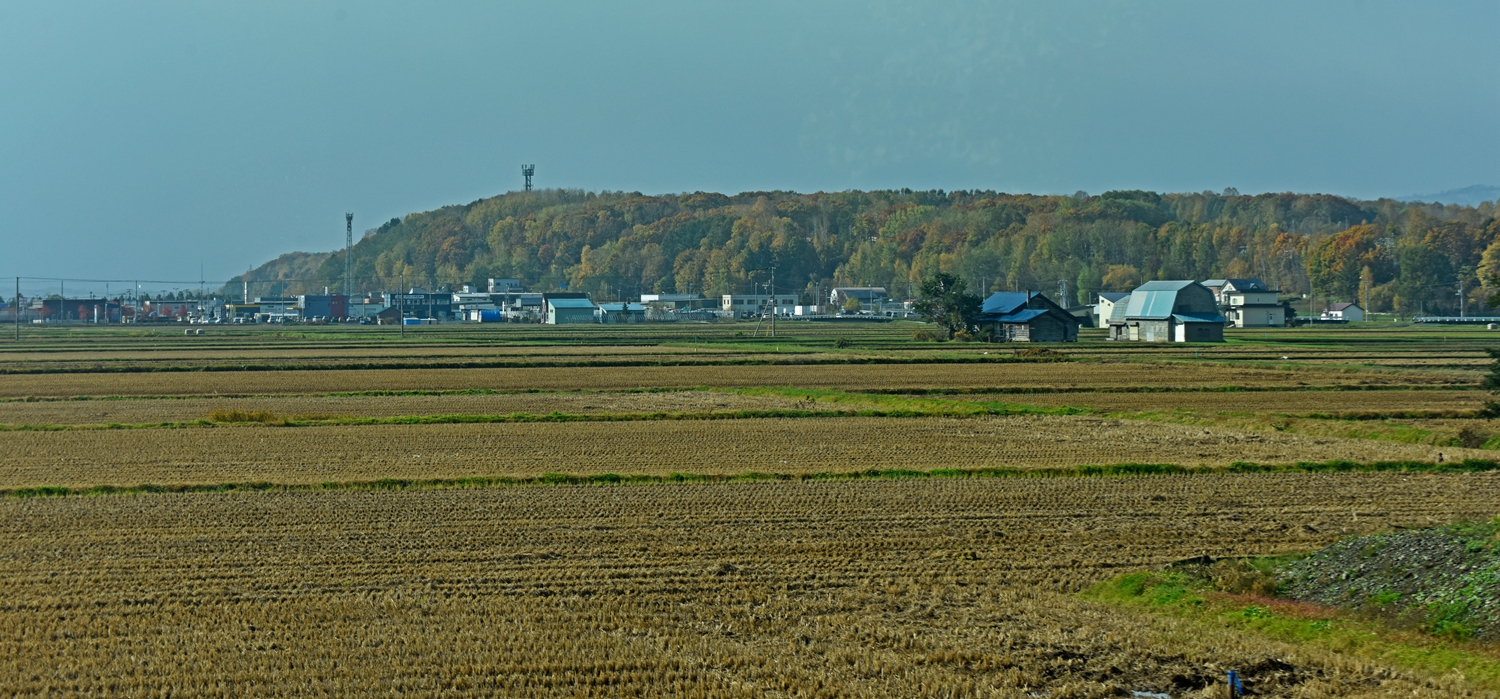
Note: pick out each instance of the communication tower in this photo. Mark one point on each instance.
(348, 249)
(527, 171)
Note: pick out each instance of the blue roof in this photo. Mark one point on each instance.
(616, 307)
(1198, 318)
(1005, 301)
(1114, 295)
(1023, 315)
(571, 303)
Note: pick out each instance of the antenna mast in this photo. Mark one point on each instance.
(348, 251)
(527, 171)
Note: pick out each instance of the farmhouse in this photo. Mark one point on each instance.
(1248, 303)
(1168, 311)
(1016, 316)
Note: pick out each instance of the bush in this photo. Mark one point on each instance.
(843, 342)
(261, 416)
(927, 335)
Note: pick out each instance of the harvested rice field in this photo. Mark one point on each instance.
(1269, 402)
(948, 587)
(310, 455)
(150, 410)
(348, 533)
(1045, 376)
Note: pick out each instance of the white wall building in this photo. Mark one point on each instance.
(741, 305)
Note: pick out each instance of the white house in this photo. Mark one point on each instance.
(1345, 311)
(1248, 303)
(1106, 306)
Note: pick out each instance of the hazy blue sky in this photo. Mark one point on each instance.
(140, 139)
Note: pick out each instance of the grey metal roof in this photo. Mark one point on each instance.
(571, 303)
(1113, 296)
(1155, 300)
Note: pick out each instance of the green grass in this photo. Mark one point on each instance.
(1188, 598)
(1087, 471)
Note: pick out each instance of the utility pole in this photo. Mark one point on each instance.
(18, 309)
(1461, 299)
(773, 302)
(348, 250)
(401, 306)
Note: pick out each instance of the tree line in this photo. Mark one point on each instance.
(1391, 255)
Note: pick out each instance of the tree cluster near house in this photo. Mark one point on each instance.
(613, 244)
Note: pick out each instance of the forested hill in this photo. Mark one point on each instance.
(610, 243)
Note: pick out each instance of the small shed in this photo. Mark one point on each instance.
(1346, 311)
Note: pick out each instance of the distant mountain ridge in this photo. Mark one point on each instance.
(1472, 195)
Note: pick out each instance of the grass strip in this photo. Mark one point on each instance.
(1087, 471)
(1182, 597)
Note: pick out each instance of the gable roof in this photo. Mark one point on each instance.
(1024, 315)
(1002, 302)
(1114, 296)
(1247, 285)
(1342, 306)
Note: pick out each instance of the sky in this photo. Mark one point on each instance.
(158, 139)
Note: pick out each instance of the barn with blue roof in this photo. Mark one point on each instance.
(1027, 316)
(1168, 311)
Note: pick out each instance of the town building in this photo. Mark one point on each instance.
(505, 286)
(870, 298)
(471, 305)
(621, 312)
(1027, 316)
(676, 301)
(417, 303)
(1168, 311)
(744, 305)
(520, 307)
(1248, 303)
(1345, 311)
(324, 306)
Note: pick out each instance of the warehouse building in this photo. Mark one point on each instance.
(567, 309)
(1168, 311)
